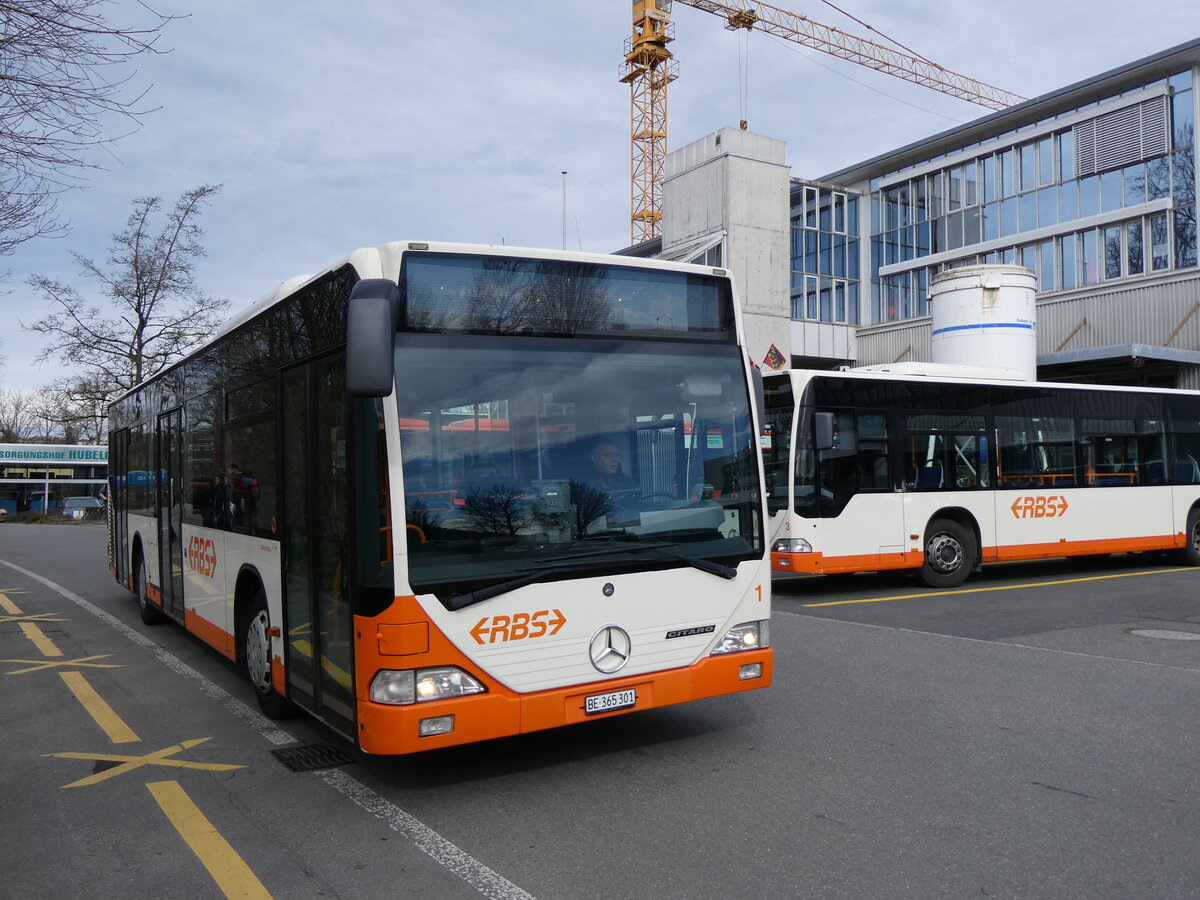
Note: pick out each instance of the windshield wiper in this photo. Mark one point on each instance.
(558, 565)
(662, 548)
(462, 601)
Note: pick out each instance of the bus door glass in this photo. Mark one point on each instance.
(776, 439)
(170, 510)
(318, 619)
(118, 503)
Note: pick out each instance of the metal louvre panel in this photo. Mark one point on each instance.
(1121, 137)
(1154, 127)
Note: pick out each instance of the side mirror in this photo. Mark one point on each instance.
(823, 431)
(370, 337)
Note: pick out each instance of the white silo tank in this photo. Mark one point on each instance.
(985, 316)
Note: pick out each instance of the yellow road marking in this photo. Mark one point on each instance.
(39, 617)
(35, 665)
(116, 729)
(1001, 587)
(7, 605)
(227, 868)
(129, 763)
(39, 640)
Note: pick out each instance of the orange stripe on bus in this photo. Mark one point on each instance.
(820, 564)
(211, 634)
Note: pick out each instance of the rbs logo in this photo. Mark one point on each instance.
(1039, 507)
(202, 556)
(518, 626)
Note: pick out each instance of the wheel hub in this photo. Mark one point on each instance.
(945, 553)
(258, 650)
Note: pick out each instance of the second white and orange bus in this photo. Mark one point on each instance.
(941, 469)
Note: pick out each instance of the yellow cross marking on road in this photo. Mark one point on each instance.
(129, 763)
(40, 617)
(35, 665)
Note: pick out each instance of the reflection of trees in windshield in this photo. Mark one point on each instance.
(501, 509)
(588, 503)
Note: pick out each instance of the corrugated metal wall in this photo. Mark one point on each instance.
(1147, 313)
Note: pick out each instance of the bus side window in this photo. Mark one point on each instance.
(873, 452)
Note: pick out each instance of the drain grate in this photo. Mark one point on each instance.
(310, 757)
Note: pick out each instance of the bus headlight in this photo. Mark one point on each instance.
(791, 545)
(747, 636)
(402, 687)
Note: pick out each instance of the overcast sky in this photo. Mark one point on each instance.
(338, 125)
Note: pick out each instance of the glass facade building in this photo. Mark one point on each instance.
(1109, 196)
(1093, 187)
(825, 254)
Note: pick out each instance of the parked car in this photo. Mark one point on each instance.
(81, 508)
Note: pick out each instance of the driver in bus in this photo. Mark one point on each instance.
(606, 468)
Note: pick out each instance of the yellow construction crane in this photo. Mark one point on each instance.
(649, 68)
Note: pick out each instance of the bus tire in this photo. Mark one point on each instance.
(151, 614)
(256, 657)
(1190, 554)
(949, 554)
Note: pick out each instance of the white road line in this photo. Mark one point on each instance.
(446, 854)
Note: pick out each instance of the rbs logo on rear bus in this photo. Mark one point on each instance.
(202, 556)
(1039, 507)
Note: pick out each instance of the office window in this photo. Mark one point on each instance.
(1160, 255)
(1046, 269)
(1112, 252)
(1133, 243)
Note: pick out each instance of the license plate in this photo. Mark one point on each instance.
(602, 703)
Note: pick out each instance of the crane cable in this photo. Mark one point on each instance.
(743, 80)
(855, 18)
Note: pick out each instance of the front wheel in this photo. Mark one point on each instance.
(949, 554)
(256, 641)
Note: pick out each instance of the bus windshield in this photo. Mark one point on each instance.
(527, 453)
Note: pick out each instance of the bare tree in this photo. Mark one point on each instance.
(156, 310)
(62, 77)
(79, 404)
(20, 418)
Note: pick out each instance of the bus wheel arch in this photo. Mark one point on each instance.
(1190, 553)
(950, 548)
(150, 614)
(254, 643)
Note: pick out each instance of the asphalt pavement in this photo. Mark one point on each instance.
(1029, 735)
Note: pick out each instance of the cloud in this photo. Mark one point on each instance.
(333, 126)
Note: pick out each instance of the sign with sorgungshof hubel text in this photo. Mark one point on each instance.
(59, 454)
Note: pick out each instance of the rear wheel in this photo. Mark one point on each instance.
(256, 643)
(151, 614)
(949, 554)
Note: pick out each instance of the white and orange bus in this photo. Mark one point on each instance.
(375, 489)
(939, 469)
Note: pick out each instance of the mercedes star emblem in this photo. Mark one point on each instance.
(610, 648)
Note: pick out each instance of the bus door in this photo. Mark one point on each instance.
(170, 511)
(118, 505)
(317, 613)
